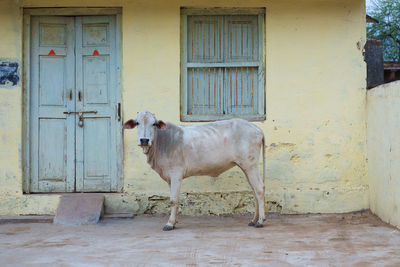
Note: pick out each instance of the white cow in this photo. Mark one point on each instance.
(176, 152)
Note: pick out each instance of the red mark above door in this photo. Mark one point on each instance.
(52, 53)
(95, 53)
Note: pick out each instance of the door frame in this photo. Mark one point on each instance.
(28, 13)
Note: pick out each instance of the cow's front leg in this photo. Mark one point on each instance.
(174, 187)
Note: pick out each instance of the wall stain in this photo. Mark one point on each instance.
(295, 158)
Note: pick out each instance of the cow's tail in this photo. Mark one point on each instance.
(263, 155)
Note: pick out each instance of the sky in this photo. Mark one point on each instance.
(368, 3)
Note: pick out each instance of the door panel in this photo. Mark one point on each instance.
(52, 80)
(96, 81)
(52, 149)
(73, 70)
(53, 34)
(95, 34)
(52, 84)
(97, 144)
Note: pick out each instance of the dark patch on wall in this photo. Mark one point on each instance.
(374, 59)
(391, 71)
(9, 73)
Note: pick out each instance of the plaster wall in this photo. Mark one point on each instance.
(315, 108)
(383, 128)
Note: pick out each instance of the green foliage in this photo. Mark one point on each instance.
(388, 28)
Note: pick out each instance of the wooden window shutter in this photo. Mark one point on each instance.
(221, 67)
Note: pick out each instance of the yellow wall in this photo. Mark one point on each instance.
(383, 128)
(315, 101)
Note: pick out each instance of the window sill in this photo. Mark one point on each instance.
(204, 118)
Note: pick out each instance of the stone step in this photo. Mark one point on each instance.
(118, 216)
(79, 209)
(26, 219)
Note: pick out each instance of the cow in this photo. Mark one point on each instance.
(176, 152)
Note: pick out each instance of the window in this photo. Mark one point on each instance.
(222, 74)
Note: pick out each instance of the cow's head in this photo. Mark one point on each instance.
(146, 124)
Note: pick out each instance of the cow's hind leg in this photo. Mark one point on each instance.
(256, 184)
(174, 186)
(256, 214)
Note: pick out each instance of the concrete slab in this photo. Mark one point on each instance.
(297, 240)
(79, 209)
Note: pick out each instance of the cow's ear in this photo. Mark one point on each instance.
(130, 124)
(161, 125)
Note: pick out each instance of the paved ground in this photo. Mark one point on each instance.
(359, 239)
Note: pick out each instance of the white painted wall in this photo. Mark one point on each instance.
(383, 142)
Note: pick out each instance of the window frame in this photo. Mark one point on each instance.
(260, 114)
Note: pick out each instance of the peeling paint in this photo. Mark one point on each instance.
(216, 203)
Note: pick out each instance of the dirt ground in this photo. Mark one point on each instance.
(358, 239)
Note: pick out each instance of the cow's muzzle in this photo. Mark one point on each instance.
(144, 141)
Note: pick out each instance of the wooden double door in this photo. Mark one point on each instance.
(74, 104)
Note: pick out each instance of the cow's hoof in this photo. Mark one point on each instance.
(251, 224)
(259, 225)
(168, 227)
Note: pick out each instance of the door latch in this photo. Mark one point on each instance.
(80, 122)
(119, 111)
(80, 114)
